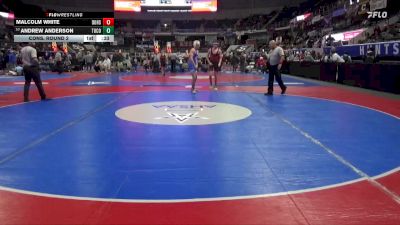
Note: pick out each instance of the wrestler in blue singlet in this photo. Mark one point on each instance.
(192, 66)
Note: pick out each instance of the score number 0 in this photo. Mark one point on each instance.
(108, 22)
(108, 26)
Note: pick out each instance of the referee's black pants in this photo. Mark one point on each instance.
(274, 72)
(33, 73)
(173, 66)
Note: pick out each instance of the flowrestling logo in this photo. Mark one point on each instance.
(183, 113)
(378, 15)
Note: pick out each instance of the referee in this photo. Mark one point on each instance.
(31, 71)
(276, 57)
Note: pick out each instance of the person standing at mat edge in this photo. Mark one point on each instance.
(193, 63)
(214, 59)
(31, 71)
(276, 57)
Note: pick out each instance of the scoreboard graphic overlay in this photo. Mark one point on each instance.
(65, 27)
(170, 6)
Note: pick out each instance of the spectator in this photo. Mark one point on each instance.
(329, 40)
(318, 56)
(370, 57)
(234, 61)
(243, 63)
(80, 60)
(2, 60)
(68, 64)
(107, 65)
(126, 63)
(42, 64)
(12, 60)
(58, 62)
(88, 59)
(98, 64)
(173, 63)
(261, 65)
(119, 62)
(135, 64)
(155, 62)
(347, 57)
(336, 58)
(146, 64)
(18, 70)
(308, 57)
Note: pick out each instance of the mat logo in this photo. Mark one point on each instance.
(189, 106)
(182, 118)
(183, 113)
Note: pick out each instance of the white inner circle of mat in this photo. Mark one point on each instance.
(183, 113)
